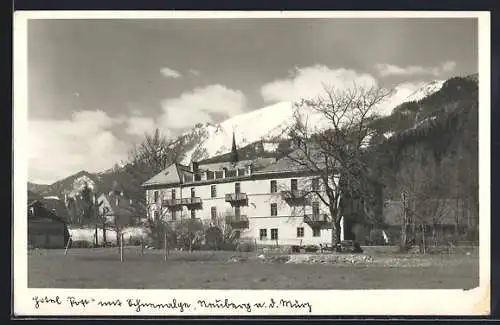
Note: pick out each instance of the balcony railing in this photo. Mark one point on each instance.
(294, 195)
(171, 202)
(318, 220)
(236, 197)
(237, 221)
(191, 201)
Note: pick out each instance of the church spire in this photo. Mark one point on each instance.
(234, 151)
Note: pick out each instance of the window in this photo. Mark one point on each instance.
(219, 174)
(315, 184)
(237, 188)
(237, 212)
(213, 191)
(274, 209)
(31, 211)
(274, 234)
(174, 215)
(300, 232)
(213, 213)
(293, 184)
(315, 209)
(210, 175)
(156, 215)
(274, 187)
(156, 194)
(193, 193)
(241, 171)
(316, 232)
(263, 234)
(237, 234)
(173, 194)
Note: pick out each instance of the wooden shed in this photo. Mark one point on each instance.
(45, 228)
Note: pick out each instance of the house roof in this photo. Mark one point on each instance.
(283, 165)
(56, 205)
(47, 213)
(249, 152)
(173, 174)
(121, 206)
(294, 162)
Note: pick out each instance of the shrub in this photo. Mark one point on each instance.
(157, 229)
(228, 246)
(213, 238)
(134, 241)
(246, 246)
(81, 244)
(311, 248)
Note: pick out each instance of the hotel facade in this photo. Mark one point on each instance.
(267, 200)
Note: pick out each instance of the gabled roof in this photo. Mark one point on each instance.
(121, 206)
(55, 205)
(171, 175)
(47, 213)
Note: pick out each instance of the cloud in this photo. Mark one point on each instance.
(308, 83)
(201, 105)
(194, 72)
(58, 148)
(139, 125)
(170, 73)
(385, 69)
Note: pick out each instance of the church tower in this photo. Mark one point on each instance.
(234, 151)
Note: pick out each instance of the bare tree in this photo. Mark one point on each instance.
(155, 152)
(425, 207)
(335, 152)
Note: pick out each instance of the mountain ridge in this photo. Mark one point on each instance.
(205, 141)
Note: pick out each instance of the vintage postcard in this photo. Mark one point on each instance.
(251, 163)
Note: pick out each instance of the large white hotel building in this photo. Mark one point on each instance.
(268, 200)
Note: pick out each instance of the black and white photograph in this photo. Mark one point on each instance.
(287, 157)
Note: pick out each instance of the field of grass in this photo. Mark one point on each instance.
(101, 268)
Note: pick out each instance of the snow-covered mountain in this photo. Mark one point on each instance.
(256, 131)
(265, 124)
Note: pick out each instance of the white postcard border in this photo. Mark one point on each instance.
(323, 302)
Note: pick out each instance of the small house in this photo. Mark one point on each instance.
(45, 228)
(117, 209)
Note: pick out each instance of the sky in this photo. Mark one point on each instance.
(95, 86)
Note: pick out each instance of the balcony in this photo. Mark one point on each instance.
(294, 196)
(318, 220)
(235, 198)
(191, 202)
(237, 222)
(171, 203)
